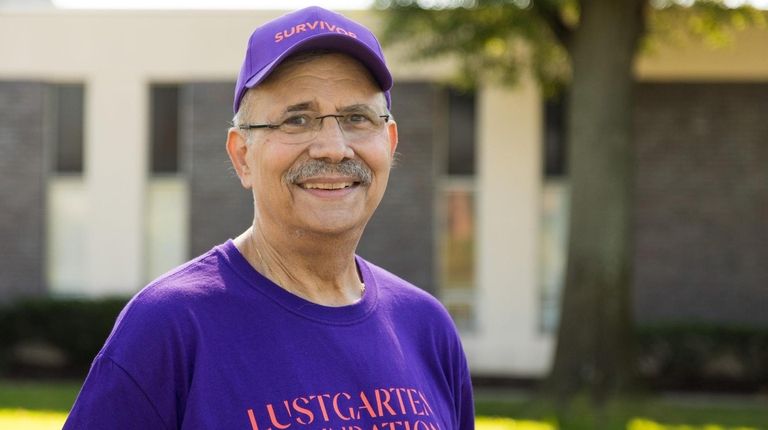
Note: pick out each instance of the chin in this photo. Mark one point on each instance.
(335, 227)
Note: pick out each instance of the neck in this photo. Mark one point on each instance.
(320, 270)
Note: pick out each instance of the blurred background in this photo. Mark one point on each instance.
(113, 171)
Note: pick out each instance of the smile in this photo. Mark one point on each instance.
(321, 185)
(328, 186)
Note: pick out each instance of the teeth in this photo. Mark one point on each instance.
(334, 186)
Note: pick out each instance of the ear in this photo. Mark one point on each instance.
(237, 149)
(392, 132)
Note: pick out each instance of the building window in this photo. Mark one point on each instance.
(167, 222)
(555, 144)
(66, 113)
(554, 207)
(66, 200)
(461, 134)
(164, 139)
(456, 201)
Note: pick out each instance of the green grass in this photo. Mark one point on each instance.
(35, 405)
(38, 396)
(638, 414)
(43, 406)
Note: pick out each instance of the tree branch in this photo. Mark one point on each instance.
(549, 12)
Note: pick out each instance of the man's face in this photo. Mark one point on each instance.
(331, 199)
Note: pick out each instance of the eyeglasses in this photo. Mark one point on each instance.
(303, 127)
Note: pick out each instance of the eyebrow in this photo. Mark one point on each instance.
(305, 106)
(357, 108)
(298, 107)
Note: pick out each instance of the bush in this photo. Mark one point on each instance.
(704, 357)
(60, 337)
(54, 337)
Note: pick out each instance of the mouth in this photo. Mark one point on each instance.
(327, 186)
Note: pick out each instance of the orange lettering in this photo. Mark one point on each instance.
(383, 403)
(413, 401)
(287, 35)
(273, 418)
(423, 424)
(321, 402)
(300, 28)
(428, 409)
(252, 418)
(399, 398)
(303, 410)
(313, 25)
(338, 411)
(366, 405)
(331, 27)
(278, 37)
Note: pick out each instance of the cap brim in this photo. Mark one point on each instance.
(334, 42)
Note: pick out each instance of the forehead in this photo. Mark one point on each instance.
(330, 77)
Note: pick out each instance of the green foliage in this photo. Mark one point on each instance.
(706, 357)
(706, 20)
(491, 39)
(499, 39)
(74, 328)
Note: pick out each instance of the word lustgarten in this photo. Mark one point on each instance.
(318, 409)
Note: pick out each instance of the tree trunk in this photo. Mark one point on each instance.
(594, 353)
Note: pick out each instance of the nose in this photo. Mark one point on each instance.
(330, 144)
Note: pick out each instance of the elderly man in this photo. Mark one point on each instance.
(285, 327)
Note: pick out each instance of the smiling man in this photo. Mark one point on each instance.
(284, 327)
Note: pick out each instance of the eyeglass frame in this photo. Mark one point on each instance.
(316, 118)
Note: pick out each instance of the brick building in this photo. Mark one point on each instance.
(113, 170)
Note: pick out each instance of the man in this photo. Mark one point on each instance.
(285, 327)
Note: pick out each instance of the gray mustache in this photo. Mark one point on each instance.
(313, 168)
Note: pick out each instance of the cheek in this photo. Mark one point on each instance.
(275, 161)
(378, 156)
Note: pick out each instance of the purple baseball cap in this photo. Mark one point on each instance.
(306, 29)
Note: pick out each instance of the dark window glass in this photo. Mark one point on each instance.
(555, 143)
(164, 140)
(67, 100)
(461, 133)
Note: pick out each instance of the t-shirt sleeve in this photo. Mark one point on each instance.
(111, 399)
(466, 405)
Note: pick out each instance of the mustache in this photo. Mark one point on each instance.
(312, 168)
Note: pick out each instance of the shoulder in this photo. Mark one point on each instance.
(200, 276)
(168, 306)
(417, 317)
(402, 296)
(393, 284)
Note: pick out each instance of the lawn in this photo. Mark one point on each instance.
(43, 406)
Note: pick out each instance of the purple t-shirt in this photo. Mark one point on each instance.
(215, 345)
